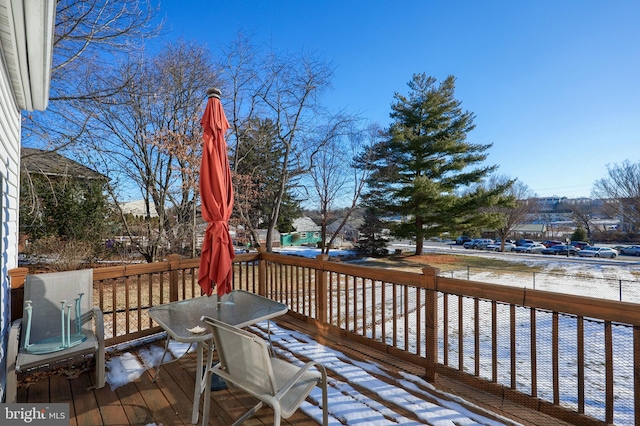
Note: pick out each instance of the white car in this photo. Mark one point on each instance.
(530, 248)
(496, 246)
(598, 252)
(632, 250)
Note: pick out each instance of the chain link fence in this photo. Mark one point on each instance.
(580, 284)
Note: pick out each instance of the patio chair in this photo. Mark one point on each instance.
(244, 362)
(59, 322)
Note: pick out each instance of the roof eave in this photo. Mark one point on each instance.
(28, 49)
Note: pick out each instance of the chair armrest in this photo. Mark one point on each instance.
(294, 379)
(98, 323)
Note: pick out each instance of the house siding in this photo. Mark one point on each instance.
(9, 193)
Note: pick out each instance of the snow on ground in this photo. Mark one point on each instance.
(608, 279)
(347, 405)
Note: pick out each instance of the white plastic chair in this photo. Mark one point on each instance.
(59, 322)
(244, 362)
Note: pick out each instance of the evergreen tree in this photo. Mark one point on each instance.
(64, 207)
(579, 234)
(257, 178)
(371, 242)
(427, 170)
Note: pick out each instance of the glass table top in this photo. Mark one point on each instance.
(238, 308)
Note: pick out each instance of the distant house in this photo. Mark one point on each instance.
(349, 232)
(137, 208)
(530, 230)
(306, 233)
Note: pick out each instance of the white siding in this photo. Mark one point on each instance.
(9, 193)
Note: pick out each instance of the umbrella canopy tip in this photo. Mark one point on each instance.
(213, 92)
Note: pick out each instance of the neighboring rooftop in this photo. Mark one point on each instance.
(51, 163)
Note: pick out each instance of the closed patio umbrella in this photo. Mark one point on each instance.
(216, 193)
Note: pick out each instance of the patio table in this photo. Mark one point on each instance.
(239, 308)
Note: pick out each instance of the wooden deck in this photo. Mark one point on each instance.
(168, 401)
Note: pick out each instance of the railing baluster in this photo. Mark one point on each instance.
(406, 318)
(460, 334)
(554, 359)
(512, 338)
(608, 355)
(580, 363)
(126, 309)
(395, 316)
(534, 352)
(417, 338)
(445, 327)
(114, 307)
(373, 310)
(494, 341)
(476, 334)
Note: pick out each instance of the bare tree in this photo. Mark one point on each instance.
(620, 193)
(337, 177)
(285, 90)
(89, 37)
(150, 136)
(520, 204)
(582, 214)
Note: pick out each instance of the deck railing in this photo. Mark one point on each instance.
(573, 357)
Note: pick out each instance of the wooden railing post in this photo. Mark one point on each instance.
(321, 289)
(17, 277)
(262, 272)
(431, 322)
(174, 264)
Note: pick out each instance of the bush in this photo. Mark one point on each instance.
(59, 254)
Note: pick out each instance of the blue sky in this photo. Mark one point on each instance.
(555, 85)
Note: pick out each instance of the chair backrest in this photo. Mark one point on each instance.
(46, 291)
(244, 356)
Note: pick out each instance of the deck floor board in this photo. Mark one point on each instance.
(168, 400)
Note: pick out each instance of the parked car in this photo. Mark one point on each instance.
(523, 241)
(530, 248)
(598, 252)
(462, 239)
(632, 250)
(483, 243)
(469, 244)
(579, 244)
(561, 249)
(473, 244)
(551, 243)
(480, 243)
(496, 246)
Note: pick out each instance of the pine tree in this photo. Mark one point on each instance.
(371, 242)
(427, 170)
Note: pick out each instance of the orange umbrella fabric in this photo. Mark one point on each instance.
(216, 193)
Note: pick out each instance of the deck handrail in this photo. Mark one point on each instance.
(535, 347)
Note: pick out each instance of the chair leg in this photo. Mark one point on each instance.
(166, 348)
(207, 399)
(11, 359)
(100, 366)
(325, 397)
(276, 416)
(12, 386)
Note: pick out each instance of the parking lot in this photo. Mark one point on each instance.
(450, 246)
